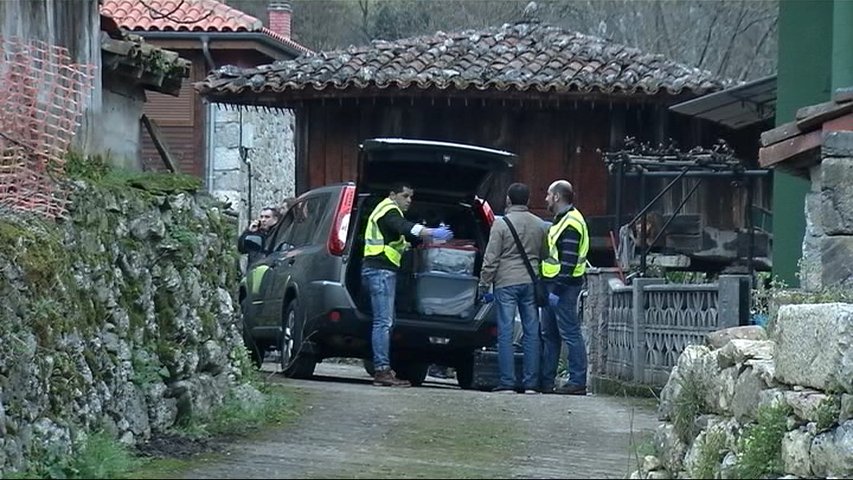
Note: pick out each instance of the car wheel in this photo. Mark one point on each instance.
(294, 363)
(465, 373)
(256, 351)
(369, 367)
(414, 372)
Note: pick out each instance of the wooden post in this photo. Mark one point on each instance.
(159, 142)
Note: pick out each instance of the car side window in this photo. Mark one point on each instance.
(308, 217)
(280, 239)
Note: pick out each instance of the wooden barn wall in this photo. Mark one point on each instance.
(550, 144)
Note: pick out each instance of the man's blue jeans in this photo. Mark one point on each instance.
(382, 285)
(508, 298)
(562, 322)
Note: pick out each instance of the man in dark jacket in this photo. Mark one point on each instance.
(262, 227)
(563, 271)
(385, 240)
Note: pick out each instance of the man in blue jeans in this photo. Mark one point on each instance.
(504, 268)
(385, 240)
(563, 270)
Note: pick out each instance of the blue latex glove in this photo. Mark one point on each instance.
(441, 233)
(488, 297)
(553, 300)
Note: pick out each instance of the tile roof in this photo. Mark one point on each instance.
(524, 56)
(187, 16)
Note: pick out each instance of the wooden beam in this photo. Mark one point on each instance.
(818, 114)
(772, 155)
(782, 132)
(159, 142)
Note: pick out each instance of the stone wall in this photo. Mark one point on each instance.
(121, 317)
(268, 137)
(749, 406)
(828, 242)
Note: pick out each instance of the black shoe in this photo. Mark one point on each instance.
(547, 390)
(503, 390)
(568, 389)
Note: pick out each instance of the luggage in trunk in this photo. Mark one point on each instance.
(446, 294)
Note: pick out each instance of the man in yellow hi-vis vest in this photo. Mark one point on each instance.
(563, 273)
(385, 240)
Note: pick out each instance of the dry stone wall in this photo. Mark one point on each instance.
(121, 317)
(753, 405)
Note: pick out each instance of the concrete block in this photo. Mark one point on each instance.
(225, 158)
(814, 346)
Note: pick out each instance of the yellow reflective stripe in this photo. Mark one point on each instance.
(255, 277)
(550, 266)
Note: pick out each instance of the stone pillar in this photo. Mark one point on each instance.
(639, 317)
(733, 301)
(595, 316)
(828, 244)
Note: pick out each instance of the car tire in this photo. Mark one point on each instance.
(465, 373)
(414, 372)
(255, 350)
(294, 363)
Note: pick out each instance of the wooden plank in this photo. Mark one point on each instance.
(316, 146)
(774, 154)
(159, 142)
(820, 115)
(844, 123)
(782, 132)
(332, 146)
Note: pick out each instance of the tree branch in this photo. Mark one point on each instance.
(157, 14)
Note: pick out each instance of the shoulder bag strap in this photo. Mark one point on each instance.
(521, 250)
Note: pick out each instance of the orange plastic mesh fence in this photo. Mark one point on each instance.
(42, 98)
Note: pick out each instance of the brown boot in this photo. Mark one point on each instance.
(387, 378)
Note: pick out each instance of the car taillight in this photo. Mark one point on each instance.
(338, 234)
(487, 211)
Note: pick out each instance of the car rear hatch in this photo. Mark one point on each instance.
(441, 169)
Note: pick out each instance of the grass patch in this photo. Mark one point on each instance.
(711, 453)
(827, 413)
(760, 448)
(687, 406)
(99, 456)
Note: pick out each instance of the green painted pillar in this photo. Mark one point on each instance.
(804, 78)
(842, 44)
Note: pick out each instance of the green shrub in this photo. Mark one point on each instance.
(760, 447)
(711, 453)
(688, 405)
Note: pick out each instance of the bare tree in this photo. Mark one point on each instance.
(168, 14)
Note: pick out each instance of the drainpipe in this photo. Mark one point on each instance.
(211, 114)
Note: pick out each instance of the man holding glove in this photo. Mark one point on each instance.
(385, 240)
(563, 271)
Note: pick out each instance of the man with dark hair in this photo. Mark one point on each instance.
(261, 226)
(563, 270)
(385, 240)
(504, 268)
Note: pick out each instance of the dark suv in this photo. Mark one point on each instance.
(305, 298)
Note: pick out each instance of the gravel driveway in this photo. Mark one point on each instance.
(352, 429)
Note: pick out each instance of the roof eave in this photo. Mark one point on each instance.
(260, 37)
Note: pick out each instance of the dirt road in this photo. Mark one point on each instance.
(352, 429)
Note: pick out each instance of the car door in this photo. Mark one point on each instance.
(260, 286)
(293, 255)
